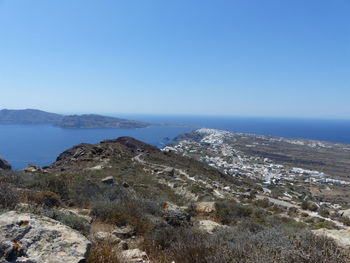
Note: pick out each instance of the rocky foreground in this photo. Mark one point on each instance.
(201, 199)
(32, 238)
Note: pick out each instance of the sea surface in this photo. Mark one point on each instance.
(41, 144)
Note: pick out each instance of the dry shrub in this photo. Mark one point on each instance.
(52, 183)
(229, 212)
(263, 203)
(69, 219)
(45, 199)
(104, 252)
(345, 220)
(122, 213)
(281, 243)
(9, 196)
(247, 242)
(184, 245)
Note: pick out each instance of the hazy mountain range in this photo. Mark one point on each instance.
(33, 116)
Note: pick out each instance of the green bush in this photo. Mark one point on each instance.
(76, 222)
(122, 213)
(323, 212)
(307, 205)
(229, 212)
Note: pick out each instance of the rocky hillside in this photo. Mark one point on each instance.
(126, 201)
(320, 168)
(28, 116)
(85, 121)
(89, 121)
(4, 165)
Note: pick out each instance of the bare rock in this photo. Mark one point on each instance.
(175, 215)
(170, 171)
(36, 239)
(4, 165)
(123, 245)
(108, 180)
(204, 207)
(135, 256)
(78, 212)
(208, 226)
(32, 168)
(106, 236)
(123, 232)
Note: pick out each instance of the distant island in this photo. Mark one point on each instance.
(85, 121)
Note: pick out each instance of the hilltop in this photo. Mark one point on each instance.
(85, 121)
(123, 200)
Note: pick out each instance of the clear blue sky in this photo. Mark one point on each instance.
(220, 57)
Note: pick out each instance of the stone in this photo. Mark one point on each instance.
(175, 215)
(105, 236)
(4, 165)
(208, 226)
(125, 185)
(32, 238)
(108, 180)
(135, 256)
(78, 212)
(123, 245)
(170, 171)
(32, 168)
(123, 232)
(205, 207)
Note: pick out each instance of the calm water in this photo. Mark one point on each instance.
(41, 144)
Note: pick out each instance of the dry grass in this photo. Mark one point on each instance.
(247, 242)
(123, 213)
(9, 196)
(104, 252)
(45, 199)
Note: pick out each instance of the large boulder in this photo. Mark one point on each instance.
(175, 215)
(4, 165)
(32, 168)
(36, 239)
(208, 226)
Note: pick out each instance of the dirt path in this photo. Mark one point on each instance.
(220, 192)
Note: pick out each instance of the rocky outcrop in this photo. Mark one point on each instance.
(108, 180)
(32, 168)
(175, 215)
(135, 256)
(101, 155)
(208, 226)
(204, 208)
(37, 239)
(4, 165)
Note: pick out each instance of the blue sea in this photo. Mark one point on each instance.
(41, 144)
